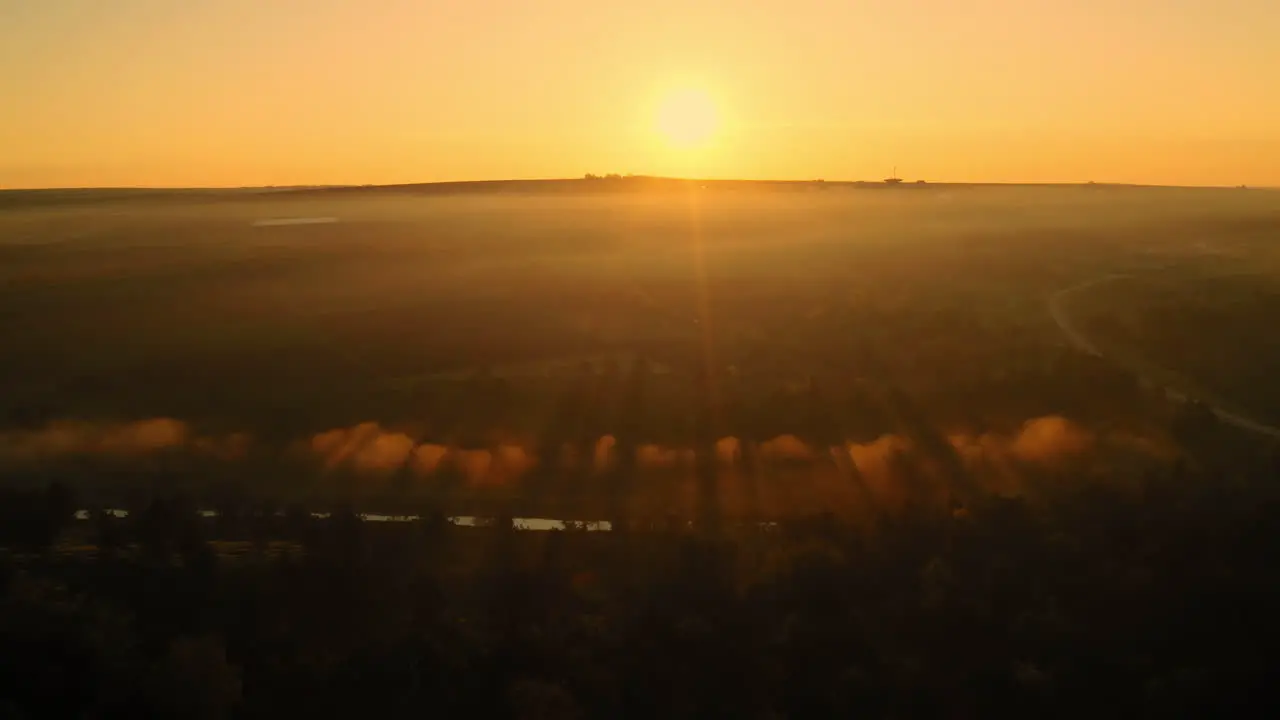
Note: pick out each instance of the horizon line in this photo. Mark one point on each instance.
(606, 178)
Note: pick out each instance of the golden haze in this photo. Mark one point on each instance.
(240, 92)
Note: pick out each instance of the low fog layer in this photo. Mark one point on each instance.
(886, 472)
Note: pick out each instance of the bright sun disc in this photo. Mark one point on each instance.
(687, 118)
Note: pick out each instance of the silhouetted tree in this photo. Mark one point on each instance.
(32, 519)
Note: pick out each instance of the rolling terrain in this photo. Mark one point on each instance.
(766, 348)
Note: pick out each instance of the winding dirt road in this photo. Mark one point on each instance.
(1142, 368)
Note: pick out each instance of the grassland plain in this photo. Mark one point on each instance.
(1203, 330)
(482, 320)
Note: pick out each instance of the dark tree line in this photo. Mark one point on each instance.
(1156, 601)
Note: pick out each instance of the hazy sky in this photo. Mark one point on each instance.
(250, 92)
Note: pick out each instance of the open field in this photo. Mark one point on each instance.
(538, 340)
(1206, 332)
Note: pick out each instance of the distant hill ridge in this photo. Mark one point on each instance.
(590, 183)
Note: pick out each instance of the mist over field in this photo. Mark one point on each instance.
(919, 451)
(385, 334)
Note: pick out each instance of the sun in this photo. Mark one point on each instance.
(687, 119)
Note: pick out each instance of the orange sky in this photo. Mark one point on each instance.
(253, 92)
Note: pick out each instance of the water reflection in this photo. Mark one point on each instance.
(536, 524)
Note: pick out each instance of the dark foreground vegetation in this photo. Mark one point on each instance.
(1157, 600)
